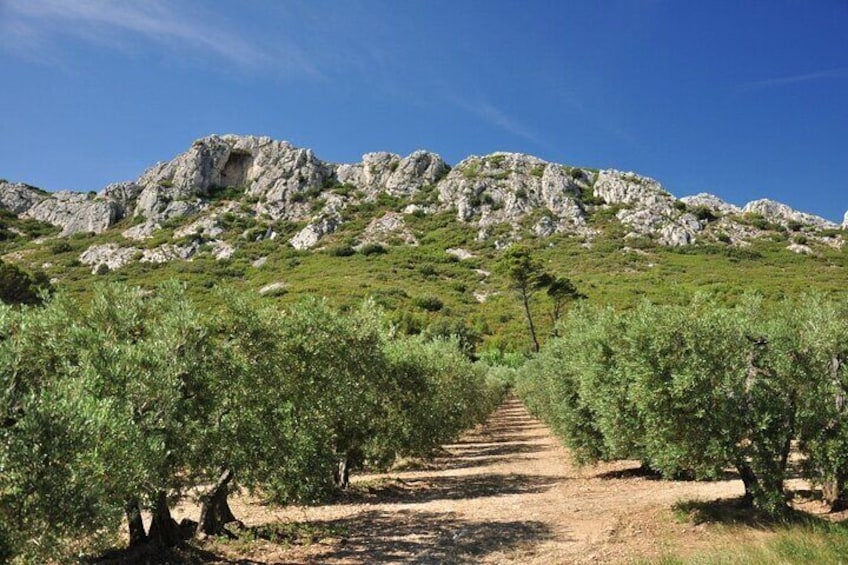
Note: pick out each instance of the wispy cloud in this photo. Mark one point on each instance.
(32, 27)
(793, 79)
(496, 117)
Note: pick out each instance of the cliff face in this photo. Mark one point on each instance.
(271, 181)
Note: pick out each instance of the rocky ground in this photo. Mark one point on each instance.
(506, 493)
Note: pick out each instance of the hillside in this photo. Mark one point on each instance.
(418, 235)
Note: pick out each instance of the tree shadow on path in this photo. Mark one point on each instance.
(424, 537)
(436, 487)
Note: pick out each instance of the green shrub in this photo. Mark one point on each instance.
(429, 303)
(373, 249)
(18, 286)
(341, 251)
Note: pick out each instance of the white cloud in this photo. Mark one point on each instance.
(793, 79)
(34, 27)
(495, 116)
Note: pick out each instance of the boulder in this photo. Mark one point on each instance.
(309, 236)
(109, 254)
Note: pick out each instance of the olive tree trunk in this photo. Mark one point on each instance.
(135, 523)
(164, 530)
(215, 511)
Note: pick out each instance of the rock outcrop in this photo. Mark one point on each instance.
(784, 215)
(710, 202)
(18, 197)
(109, 254)
(505, 188)
(77, 212)
(386, 228)
(647, 209)
(256, 182)
(395, 175)
(309, 236)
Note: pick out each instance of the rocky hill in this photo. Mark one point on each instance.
(264, 184)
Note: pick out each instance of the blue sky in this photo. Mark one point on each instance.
(743, 99)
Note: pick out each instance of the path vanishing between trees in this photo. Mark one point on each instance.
(507, 492)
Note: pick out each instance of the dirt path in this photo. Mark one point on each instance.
(506, 493)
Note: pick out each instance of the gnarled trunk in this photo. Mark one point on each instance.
(135, 523)
(164, 530)
(749, 480)
(215, 511)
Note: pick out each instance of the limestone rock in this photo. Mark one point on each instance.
(680, 231)
(76, 212)
(783, 214)
(616, 187)
(123, 193)
(274, 171)
(712, 202)
(19, 197)
(649, 210)
(169, 252)
(371, 174)
(459, 253)
(389, 172)
(222, 250)
(208, 227)
(109, 254)
(142, 231)
(418, 169)
(309, 236)
(156, 205)
(506, 187)
(273, 289)
(503, 194)
(390, 225)
(800, 249)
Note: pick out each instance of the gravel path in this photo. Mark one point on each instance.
(506, 493)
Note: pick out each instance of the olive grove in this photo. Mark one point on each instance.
(118, 406)
(693, 390)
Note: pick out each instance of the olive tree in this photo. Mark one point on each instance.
(822, 406)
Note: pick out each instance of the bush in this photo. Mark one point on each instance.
(373, 249)
(429, 303)
(704, 213)
(341, 251)
(61, 246)
(20, 287)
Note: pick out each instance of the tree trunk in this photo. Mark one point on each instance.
(341, 474)
(164, 530)
(833, 492)
(215, 511)
(749, 479)
(135, 523)
(526, 300)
